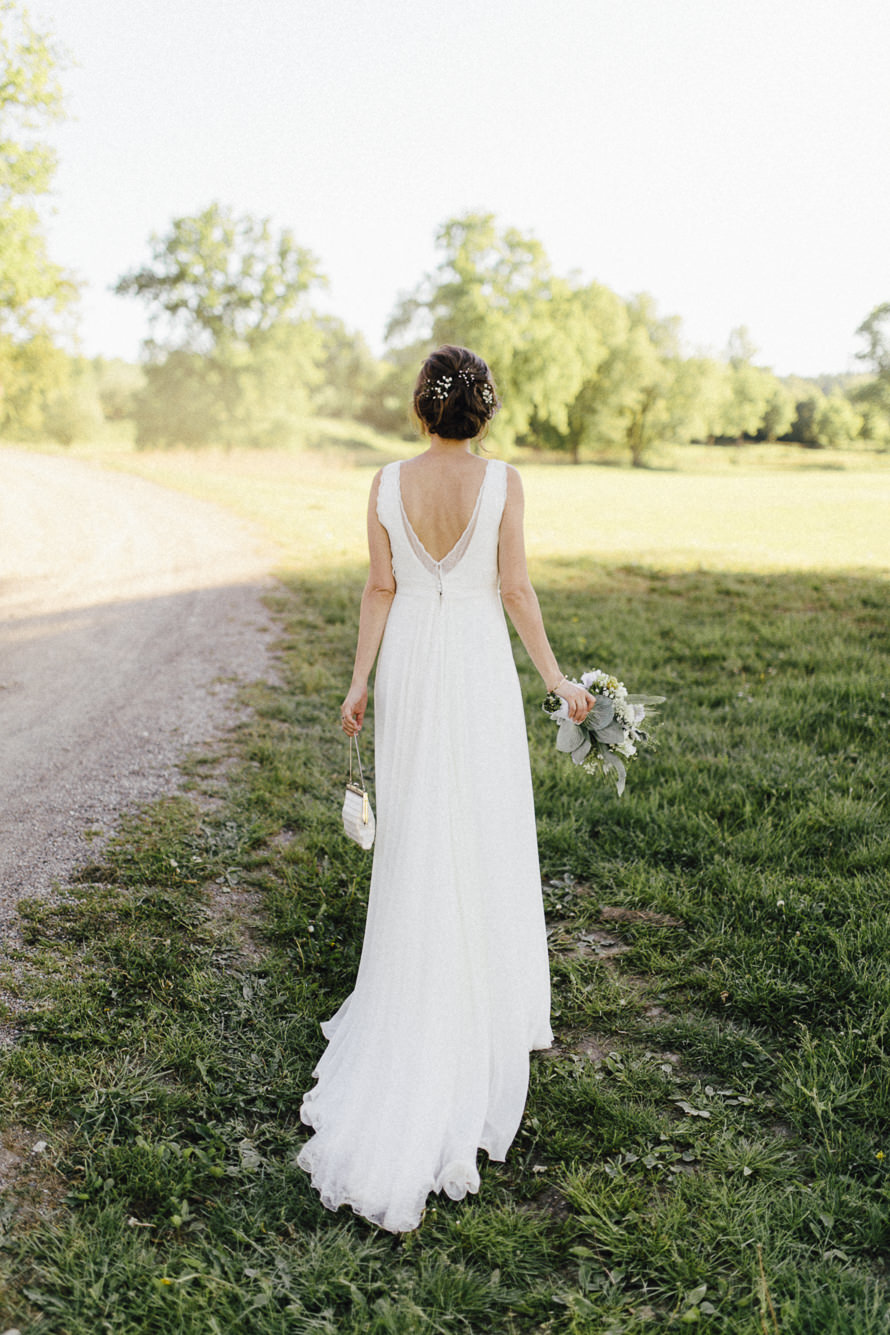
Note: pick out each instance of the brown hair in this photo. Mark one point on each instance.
(455, 395)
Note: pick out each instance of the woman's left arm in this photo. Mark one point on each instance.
(521, 602)
(376, 601)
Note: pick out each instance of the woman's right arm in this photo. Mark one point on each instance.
(521, 602)
(377, 599)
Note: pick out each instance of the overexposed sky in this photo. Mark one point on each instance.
(728, 156)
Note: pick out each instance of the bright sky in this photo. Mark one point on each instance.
(728, 156)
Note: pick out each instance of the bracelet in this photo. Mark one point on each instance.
(563, 678)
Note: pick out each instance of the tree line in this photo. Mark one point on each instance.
(238, 356)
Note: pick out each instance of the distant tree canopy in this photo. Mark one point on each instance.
(234, 354)
(584, 371)
(34, 373)
(237, 356)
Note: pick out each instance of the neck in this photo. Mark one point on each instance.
(442, 445)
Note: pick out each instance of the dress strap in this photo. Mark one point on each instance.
(387, 496)
(497, 490)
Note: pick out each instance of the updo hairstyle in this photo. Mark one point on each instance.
(455, 396)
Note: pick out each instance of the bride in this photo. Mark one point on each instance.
(427, 1059)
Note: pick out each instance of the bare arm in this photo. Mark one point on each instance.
(376, 602)
(521, 602)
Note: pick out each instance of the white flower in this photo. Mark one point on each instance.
(625, 748)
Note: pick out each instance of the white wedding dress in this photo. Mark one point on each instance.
(428, 1057)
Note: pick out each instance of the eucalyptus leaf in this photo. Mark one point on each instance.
(569, 737)
(610, 735)
(580, 752)
(602, 713)
(611, 762)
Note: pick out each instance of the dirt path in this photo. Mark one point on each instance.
(128, 616)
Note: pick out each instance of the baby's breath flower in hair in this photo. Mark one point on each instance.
(441, 388)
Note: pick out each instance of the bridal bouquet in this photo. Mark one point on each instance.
(611, 733)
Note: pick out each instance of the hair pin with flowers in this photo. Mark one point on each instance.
(441, 388)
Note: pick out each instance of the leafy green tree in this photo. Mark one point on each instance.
(875, 329)
(644, 390)
(350, 374)
(74, 411)
(387, 404)
(702, 388)
(873, 397)
(33, 290)
(750, 388)
(656, 406)
(118, 384)
(544, 337)
(595, 323)
(490, 292)
(803, 428)
(837, 422)
(234, 353)
(779, 412)
(32, 371)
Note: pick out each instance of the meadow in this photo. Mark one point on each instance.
(708, 1142)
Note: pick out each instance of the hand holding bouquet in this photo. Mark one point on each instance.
(611, 733)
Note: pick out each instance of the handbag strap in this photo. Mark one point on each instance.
(359, 759)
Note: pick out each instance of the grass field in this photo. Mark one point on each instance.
(707, 1145)
(763, 508)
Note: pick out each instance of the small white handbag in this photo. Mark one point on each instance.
(358, 816)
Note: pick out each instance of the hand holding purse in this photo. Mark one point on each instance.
(358, 815)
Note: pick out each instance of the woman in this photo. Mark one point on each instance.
(428, 1058)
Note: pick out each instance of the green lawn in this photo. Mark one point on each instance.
(706, 1143)
(761, 508)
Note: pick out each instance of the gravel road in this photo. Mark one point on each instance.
(129, 615)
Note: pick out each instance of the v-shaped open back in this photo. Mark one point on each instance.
(453, 556)
(470, 568)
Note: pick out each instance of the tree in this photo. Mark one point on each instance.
(350, 374)
(643, 391)
(33, 290)
(118, 384)
(233, 357)
(594, 322)
(837, 423)
(803, 428)
(750, 388)
(489, 292)
(74, 411)
(873, 397)
(32, 371)
(703, 387)
(544, 337)
(779, 411)
(875, 329)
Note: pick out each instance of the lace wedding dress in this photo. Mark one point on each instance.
(427, 1059)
